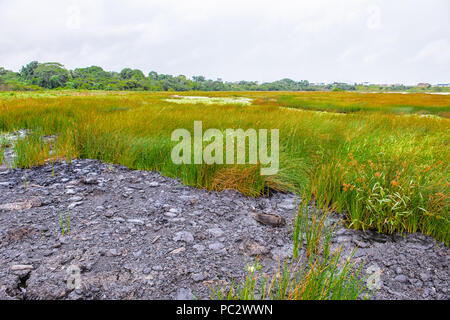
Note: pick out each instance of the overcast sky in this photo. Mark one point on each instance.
(401, 41)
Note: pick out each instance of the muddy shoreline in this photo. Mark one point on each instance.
(139, 235)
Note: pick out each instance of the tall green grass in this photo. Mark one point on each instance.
(385, 171)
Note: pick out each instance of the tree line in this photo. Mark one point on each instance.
(53, 75)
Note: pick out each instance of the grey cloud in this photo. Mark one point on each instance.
(355, 40)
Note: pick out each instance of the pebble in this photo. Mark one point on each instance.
(216, 246)
(184, 294)
(401, 278)
(184, 236)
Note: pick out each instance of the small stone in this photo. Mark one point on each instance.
(21, 267)
(198, 277)
(136, 221)
(112, 253)
(137, 254)
(255, 249)
(170, 214)
(89, 181)
(75, 198)
(16, 205)
(184, 236)
(361, 244)
(401, 278)
(146, 271)
(216, 246)
(216, 232)
(176, 251)
(184, 294)
(424, 276)
(74, 204)
(199, 247)
(269, 219)
(153, 184)
(286, 205)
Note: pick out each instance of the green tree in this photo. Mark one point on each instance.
(27, 72)
(50, 75)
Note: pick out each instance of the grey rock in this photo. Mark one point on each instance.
(215, 232)
(184, 294)
(74, 204)
(136, 221)
(401, 278)
(424, 276)
(21, 267)
(198, 277)
(184, 236)
(200, 248)
(153, 184)
(216, 246)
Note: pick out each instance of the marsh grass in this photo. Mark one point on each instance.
(386, 171)
(319, 274)
(64, 223)
(350, 102)
(31, 151)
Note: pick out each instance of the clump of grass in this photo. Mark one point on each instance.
(242, 179)
(311, 226)
(64, 223)
(31, 151)
(322, 274)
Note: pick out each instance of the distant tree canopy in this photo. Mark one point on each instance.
(53, 75)
(48, 75)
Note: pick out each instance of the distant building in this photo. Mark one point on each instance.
(424, 85)
(443, 85)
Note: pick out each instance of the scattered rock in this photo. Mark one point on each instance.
(179, 250)
(136, 221)
(198, 277)
(166, 240)
(16, 205)
(184, 236)
(74, 204)
(401, 278)
(89, 181)
(21, 267)
(184, 294)
(269, 219)
(153, 184)
(255, 249)
(215, 232)
(216, 246)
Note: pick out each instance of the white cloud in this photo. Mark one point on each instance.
(321, 40)
(438, 51)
